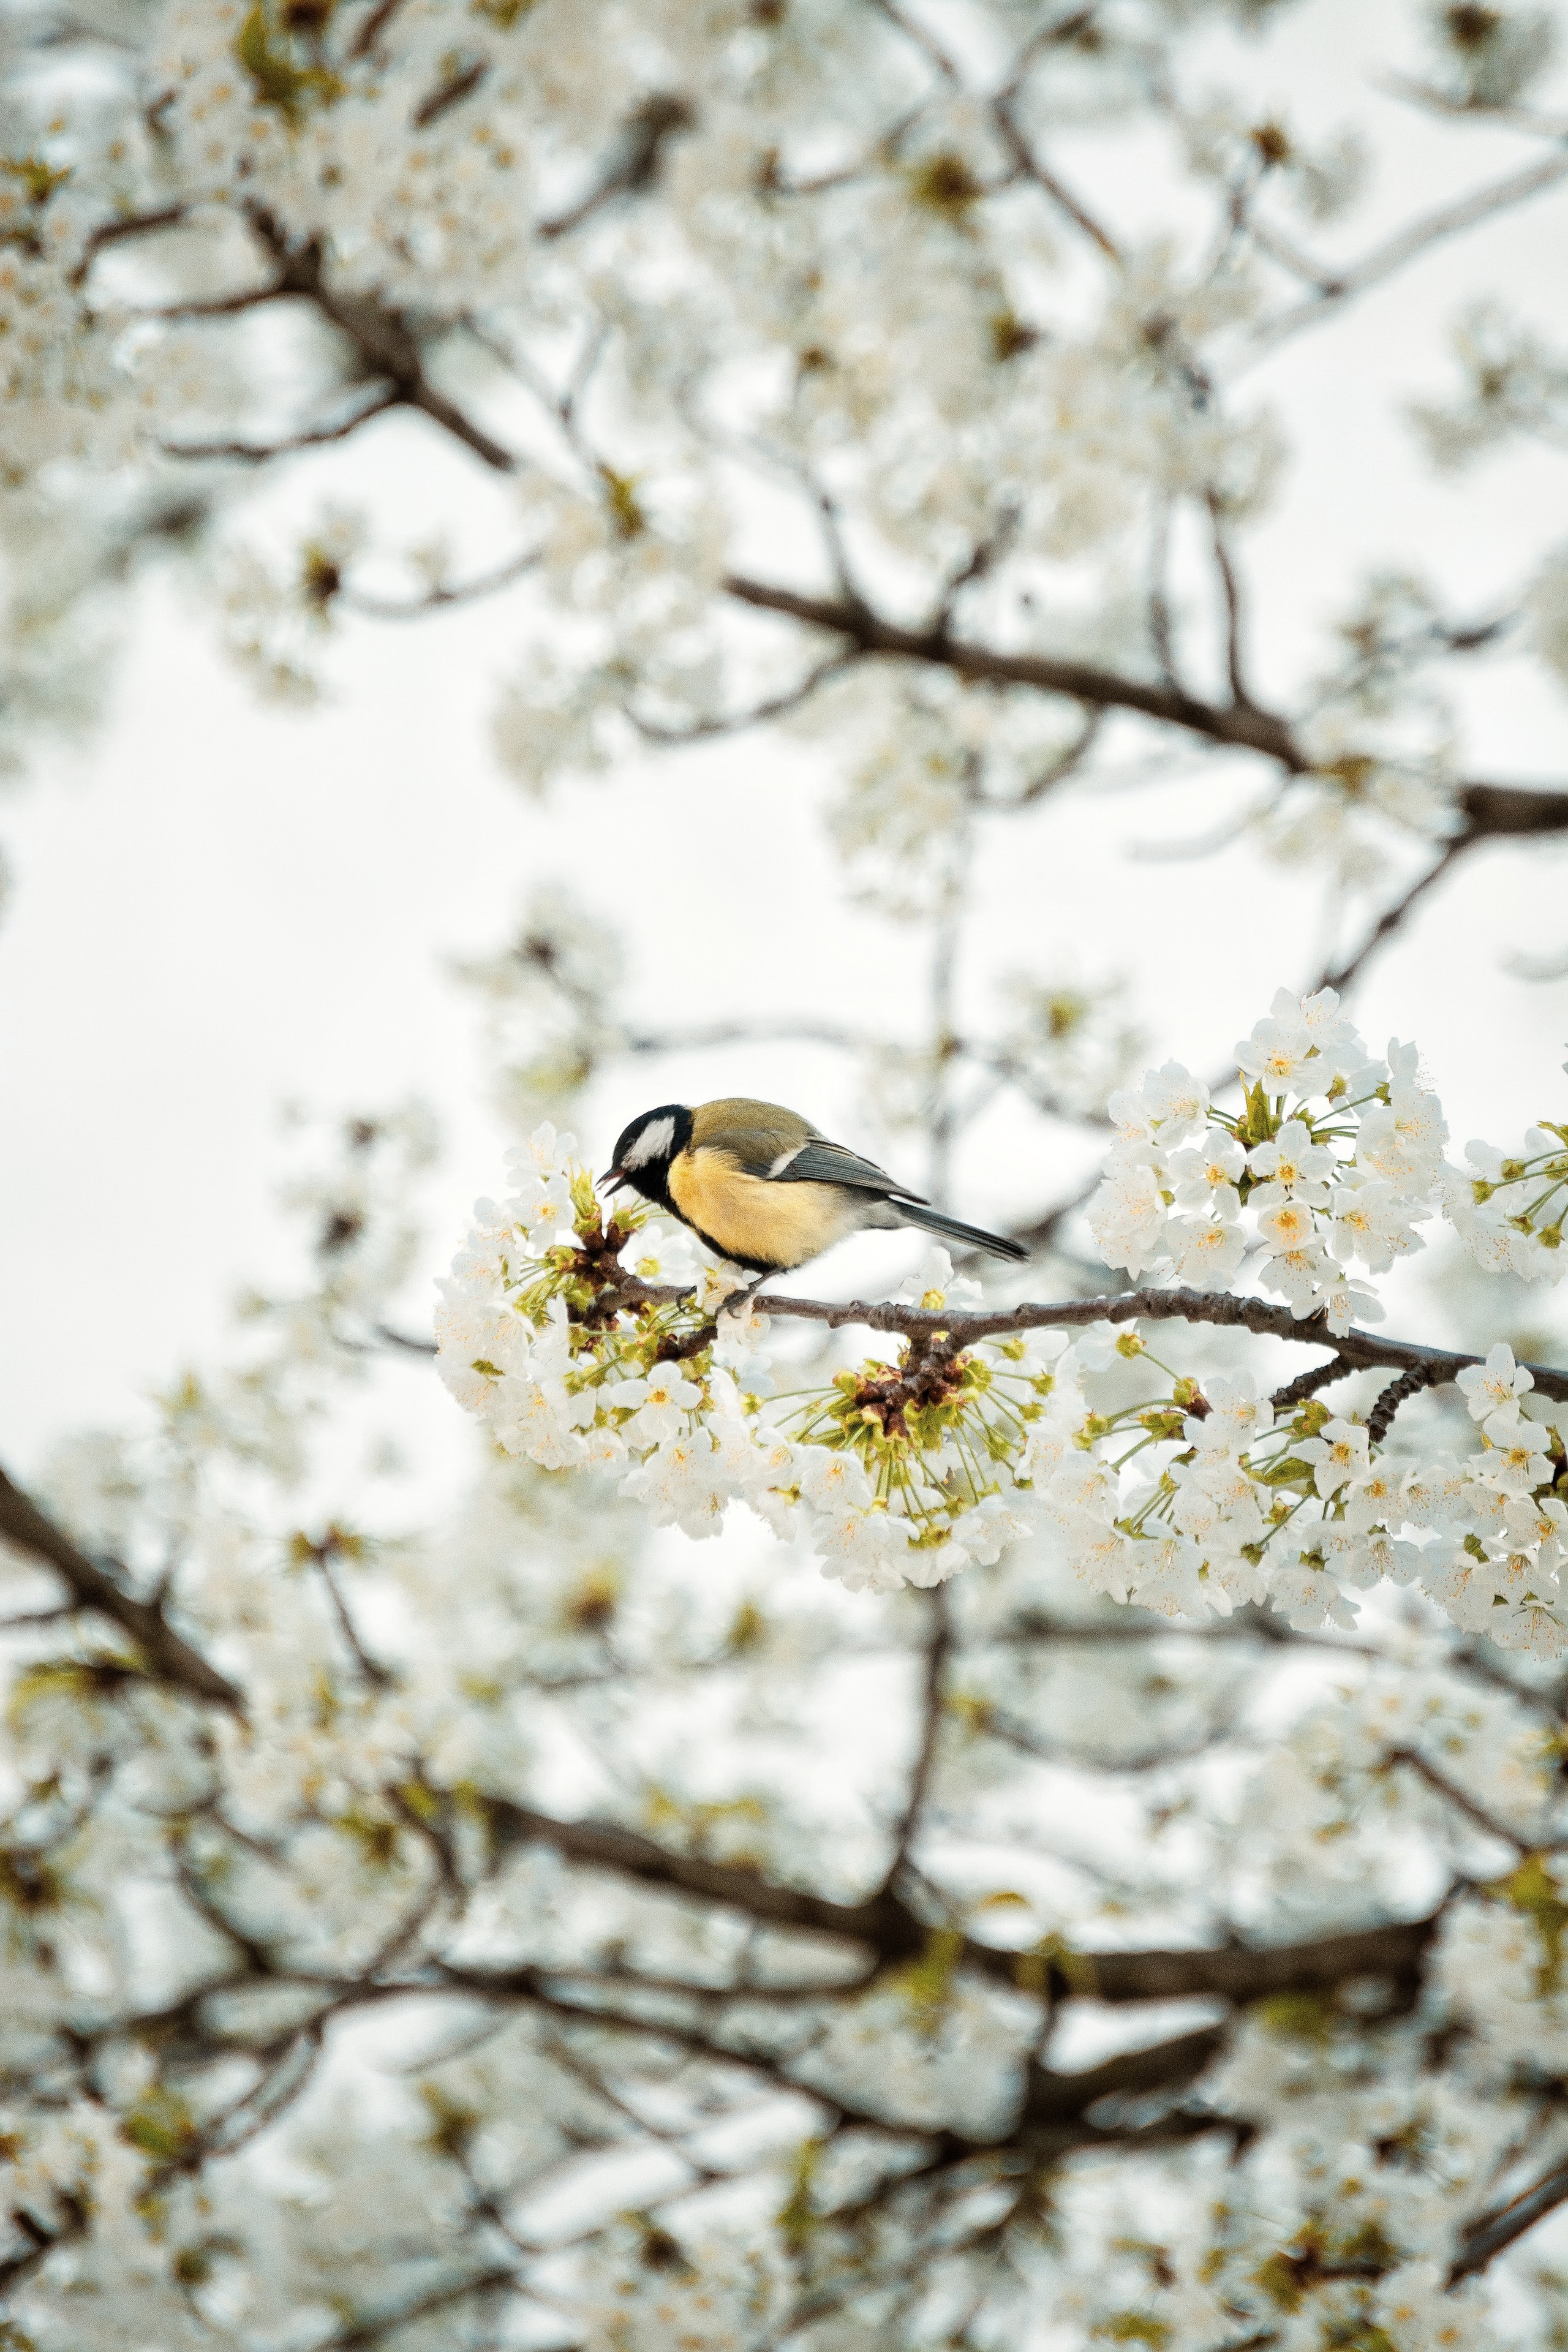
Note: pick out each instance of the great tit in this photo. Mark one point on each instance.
(762, 1188)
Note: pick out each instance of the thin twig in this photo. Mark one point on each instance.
(375, 24)
(980, 561)
(938, 1649)
(1457, 1798)
(451, 93)
(636, 167)
(1159, 597)
(702, 731)
(371, 1668)
(1028, 166)
(1054, 772)
(1486, 2238)
(1338, 287)
(1308, 1383)
(115, 231)
(368, 2332)
(1231, 588)
(927, 43)
(221, 306)
(1340, 976)
(1380, 1419)
(466, 592)
(40, 1616)
(391, 1338)
(261, 452)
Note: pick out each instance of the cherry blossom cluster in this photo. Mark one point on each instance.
(1302, 1510)
(1329, 1165)
(539, 1338)
(1508, 1207)
(580, 1344)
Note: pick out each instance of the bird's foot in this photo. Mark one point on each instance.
(739, 1302)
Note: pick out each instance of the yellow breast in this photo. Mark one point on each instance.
(749, 1218)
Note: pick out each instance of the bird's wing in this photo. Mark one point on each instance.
(758, 1136)
(821, 1162)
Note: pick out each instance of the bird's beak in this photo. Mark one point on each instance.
(614, 1178)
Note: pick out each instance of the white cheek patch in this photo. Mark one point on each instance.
(653, 1144)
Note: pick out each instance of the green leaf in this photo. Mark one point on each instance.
(1290, 1472)
(275, 77)
(161, 2126)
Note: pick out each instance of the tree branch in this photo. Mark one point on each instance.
(368, 2332)
(1308, 1383)
(451, 92)
(917, 37)
(887, 1925)
(1486, 2238)
(261, 452)
(1358, 1348)
(1338, 287)
(220, 306)
(1054, 2103)
(1492, 813)
(1457, 1798)
(1501, 812)
(115, 232)
(464, 592)
(1380, 1419)
(169, 1658)
(636, 165)
(1054, 772)
(884, 1923)
(1389, 921)
(375, 24)
(382, 337)
(1027, 164)
(790, 697)
(938, 1651)
(1240, 726)
(1230, 587)
(372, 1669)
(41, 2243)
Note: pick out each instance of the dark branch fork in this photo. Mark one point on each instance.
(885, 1927)
(1060, 2113)
(168, 1656)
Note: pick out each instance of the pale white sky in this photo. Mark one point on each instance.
(223, 905)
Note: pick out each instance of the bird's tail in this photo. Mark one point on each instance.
(931, 1221)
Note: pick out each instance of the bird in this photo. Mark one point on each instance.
(765, 1189)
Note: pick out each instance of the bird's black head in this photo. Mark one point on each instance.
(645, 1149)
